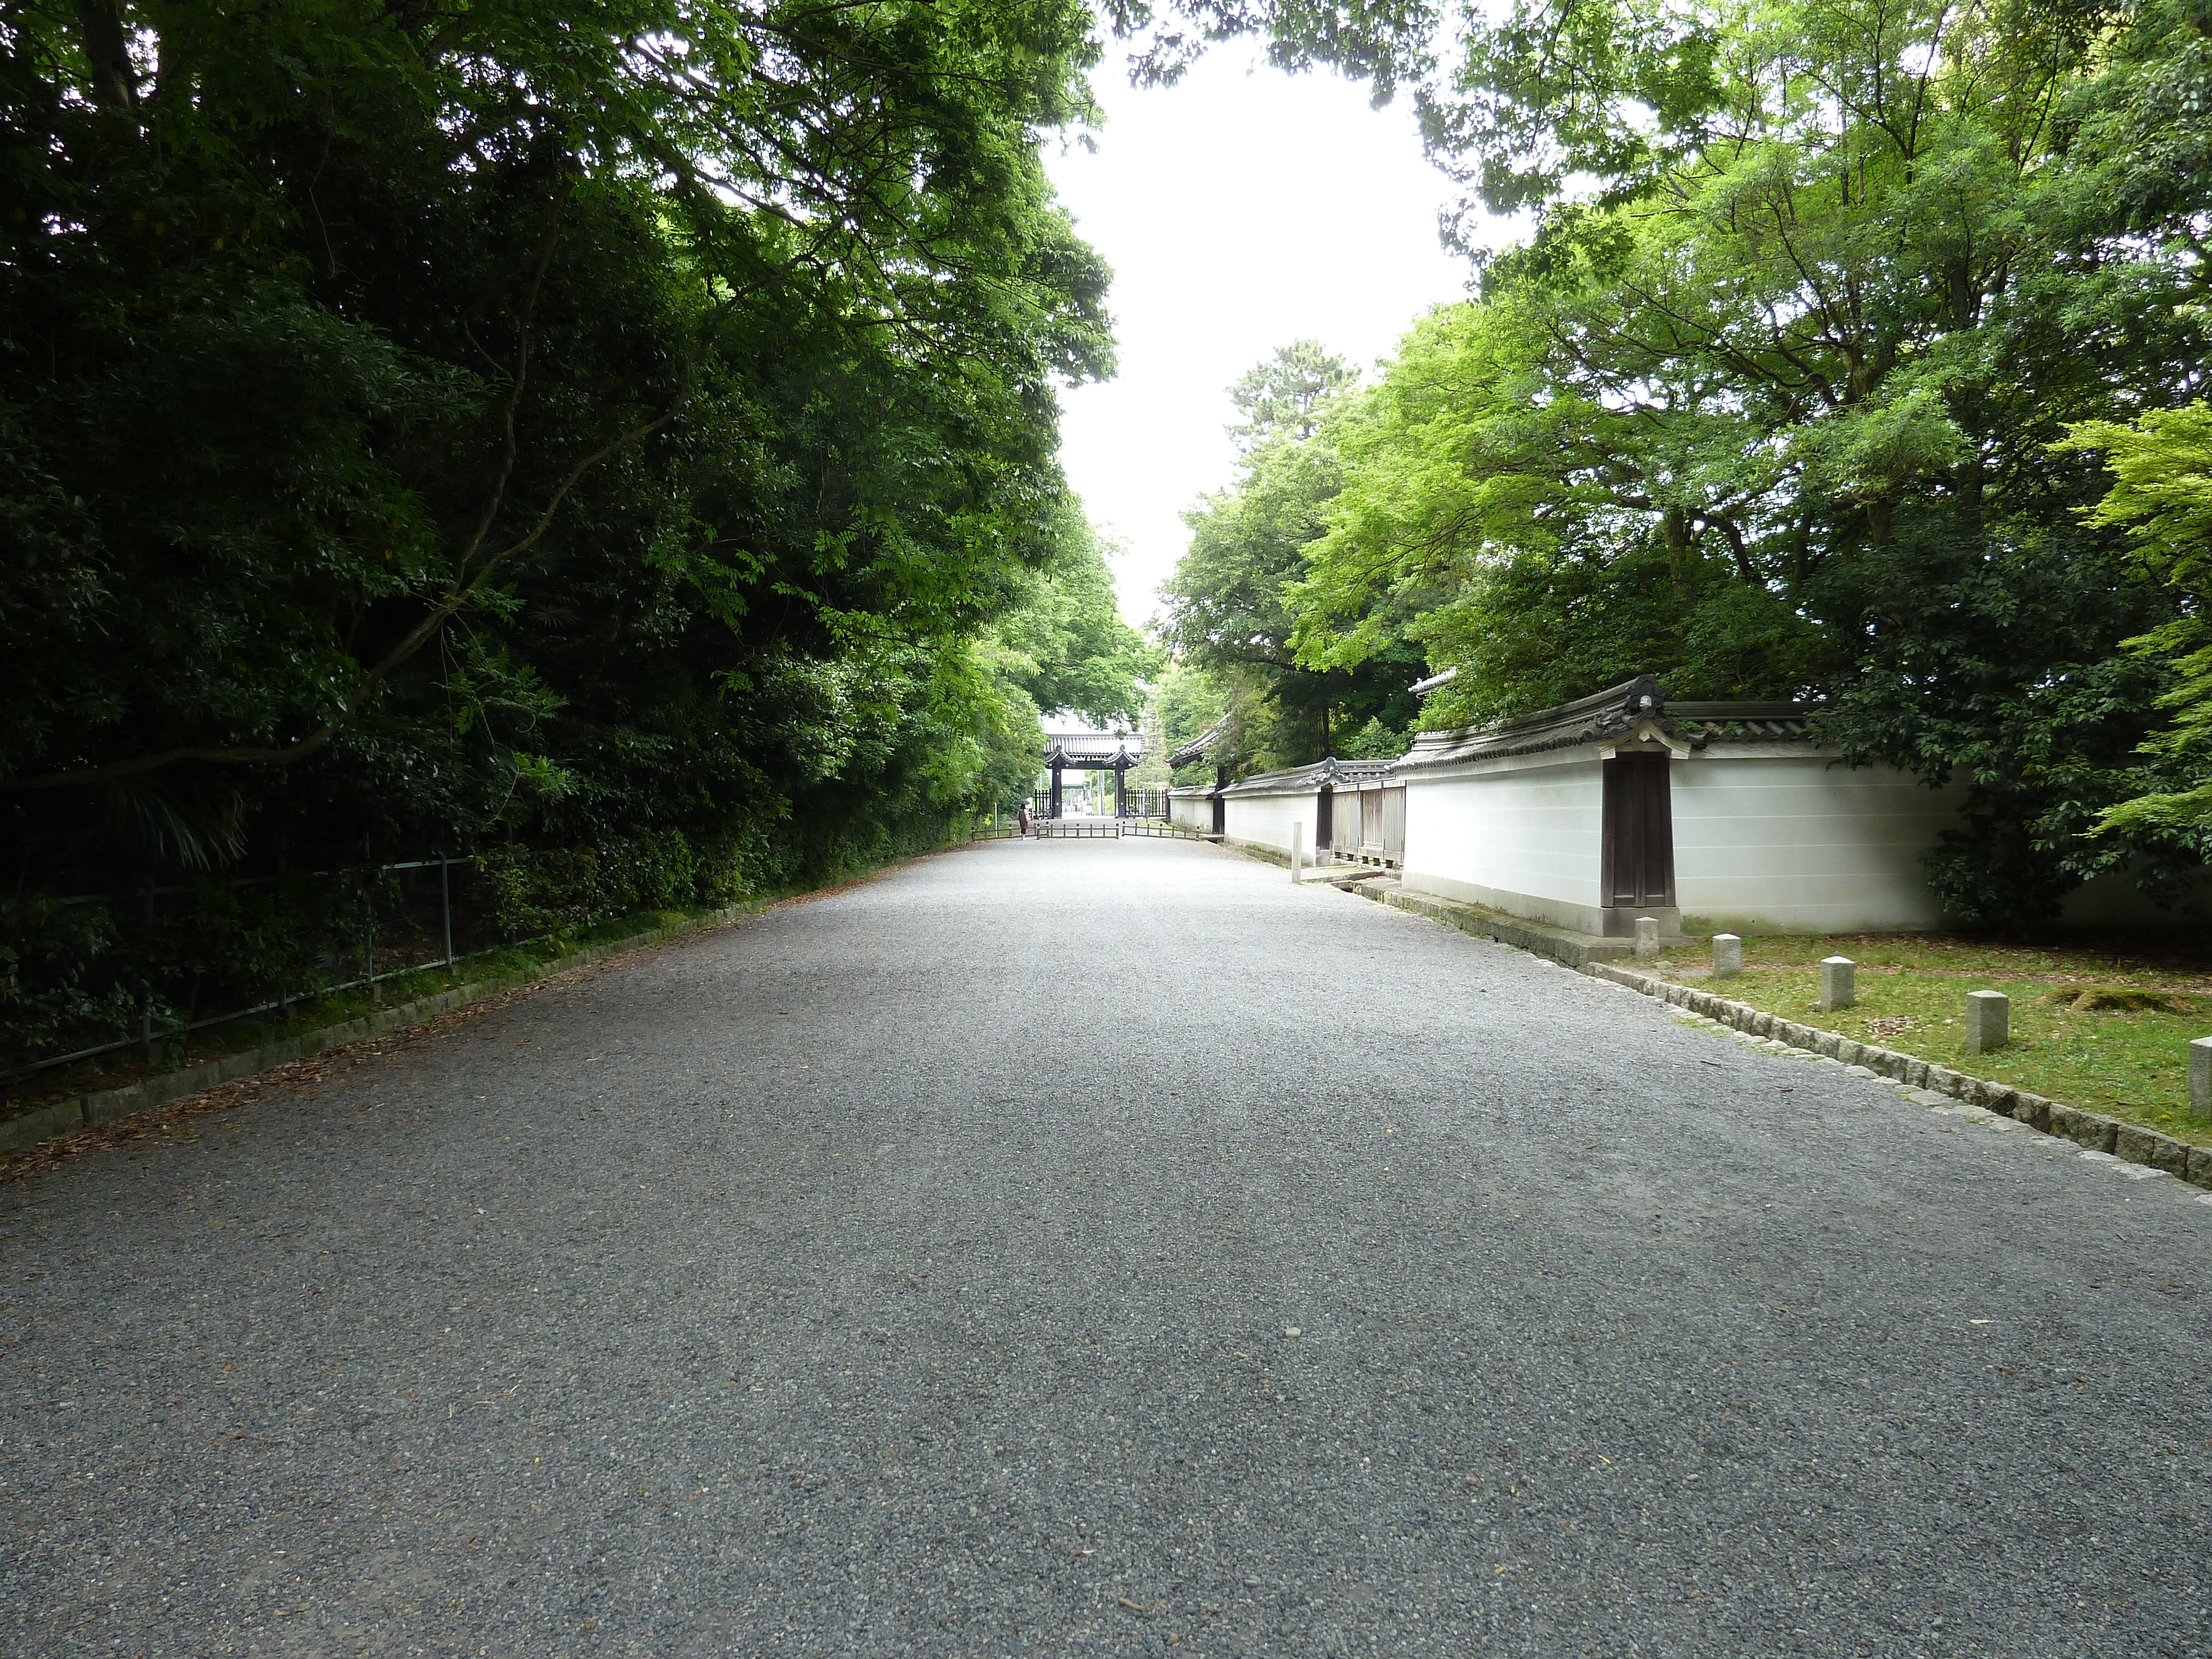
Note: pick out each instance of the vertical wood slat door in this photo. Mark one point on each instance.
(1324, 819)
(1638, 854)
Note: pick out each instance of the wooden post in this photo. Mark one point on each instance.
(368, 939)
(146, 994)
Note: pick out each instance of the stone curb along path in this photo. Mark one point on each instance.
(81, 1112)
(1922, 1080)
(2130, 1143)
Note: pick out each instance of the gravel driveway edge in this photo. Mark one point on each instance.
(86, 1111)
(2131, 1143)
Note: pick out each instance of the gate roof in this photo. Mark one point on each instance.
(1097, 751)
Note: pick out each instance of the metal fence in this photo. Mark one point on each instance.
(174, 959)
(1145, 804)
(1136, 803)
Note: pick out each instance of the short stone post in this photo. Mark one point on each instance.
(1989, 1021)
(2200, 1077)
(1839, 983)
(1297, 851)
(1647, 938)
(1728, 955)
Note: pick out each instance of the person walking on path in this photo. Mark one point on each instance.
(1022, 819)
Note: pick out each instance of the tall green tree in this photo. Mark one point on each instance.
(1765, 402)
(538, 431)
(1228, 610)
(2162, 466)
(1071, 650)
(381, 377)
(1285, 397)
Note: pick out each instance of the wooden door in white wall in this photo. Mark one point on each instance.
(1638, 856)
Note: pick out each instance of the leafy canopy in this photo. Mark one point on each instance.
(524, 422)
(2163, 465)
(1765, 401)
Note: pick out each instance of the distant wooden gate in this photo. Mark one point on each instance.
(1638, 854)
(1370, 823)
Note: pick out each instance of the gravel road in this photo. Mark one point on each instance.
(1100, 1248)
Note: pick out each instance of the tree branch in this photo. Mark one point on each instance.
(465, 582)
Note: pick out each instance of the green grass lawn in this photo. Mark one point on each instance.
(2099, 1025)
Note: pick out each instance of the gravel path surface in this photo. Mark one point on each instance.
(1102, 1247)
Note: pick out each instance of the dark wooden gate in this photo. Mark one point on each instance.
(1324, 819)
(1638, 859)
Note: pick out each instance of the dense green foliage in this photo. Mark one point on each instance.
(2164, 465)
(1191, 703)
(1229, 615)
(1770, 402)
(536, 431)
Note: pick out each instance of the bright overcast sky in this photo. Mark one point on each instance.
(1241, 209)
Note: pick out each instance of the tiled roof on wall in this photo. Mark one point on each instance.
(1198, 747)
(1741, 722)
(1615, 713)
(1301, 780)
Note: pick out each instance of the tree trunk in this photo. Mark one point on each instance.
(108, 51)
(1676, 523)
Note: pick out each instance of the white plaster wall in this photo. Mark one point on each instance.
(1193, 810)
(1266, 820)
(1523, 836)
(1785, 841)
